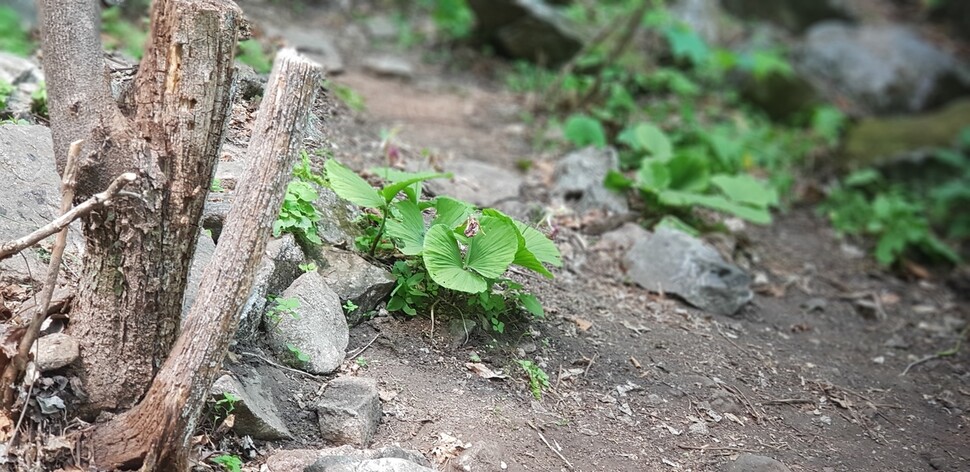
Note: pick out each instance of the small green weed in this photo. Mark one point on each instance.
(347, 95)
(229, 462)
(38, 101)
(280, 308)
(298, 215)
(122, 34)
(216, 186)
(5, 91)
(298, 358)
(362, 362)
(350, 307)
(538, 378)
(453, 17)
(225, 405)
(251, 53)
(13, 37)
(308, 267)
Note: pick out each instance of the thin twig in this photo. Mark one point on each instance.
(543, 438)
(361, 351)
(12, 247)
(714, 448)
(788, 401)
(281, 366)
(17, 365)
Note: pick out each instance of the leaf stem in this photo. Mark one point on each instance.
(380, 230)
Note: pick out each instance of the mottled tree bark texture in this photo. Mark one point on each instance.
(138, 250)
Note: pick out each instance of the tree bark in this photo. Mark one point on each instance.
(138, 251)
(156, 434)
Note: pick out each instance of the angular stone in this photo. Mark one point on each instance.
(478, 183)
(526, 29)
(389, 66)
(674, 262)
(204, 248)
(55, 351)
(880, 69)
(256, 414)
(752, 463)
(579, 181)
(319, 329)
(29, 197)
(350, 411)
(278, 269)
(355, 279)
(337, 225)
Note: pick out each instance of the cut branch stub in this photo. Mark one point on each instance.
(157, 432)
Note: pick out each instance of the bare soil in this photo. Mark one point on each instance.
(811, 373)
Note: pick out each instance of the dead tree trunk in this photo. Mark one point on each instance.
(127, 312)
(157, 432)
(138, 249)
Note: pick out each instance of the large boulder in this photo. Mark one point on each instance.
(880, 69)
(316, 328)
(876, 140)
(793, 15)
(29, 197)
(338, 217)
(578, 181)
(674, 262)
(526, 29)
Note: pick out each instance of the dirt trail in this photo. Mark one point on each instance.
(806, 374)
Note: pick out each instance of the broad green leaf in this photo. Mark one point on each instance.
(689, 172)
(686, 44)
(539, 245)
(743, 188)
(653, 175)
(862, 177)
(583, 130)
(715, 202)
(645, 137)
(532, 305)
(450, 212)
(352, 187)
(672, 222)
(407, 226)
(390, 191)
(493, 249)
(617, 181)
(443, 260)
(524, 257)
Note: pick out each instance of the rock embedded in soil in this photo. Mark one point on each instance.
(880, 69)
(350, 411)
(303, 459)
(54, 351)
(355, 279)
(278, 269)
(526, 29)
(478, 183)
(389, 66)
(29, 198)
(337, 216)
(318, 330)
(578, 181)
(674, 262)
(348, 464)
(256, 414)
(753, 463)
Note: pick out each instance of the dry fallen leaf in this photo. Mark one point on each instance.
(483, 371)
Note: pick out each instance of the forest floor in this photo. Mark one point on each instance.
(833, 366)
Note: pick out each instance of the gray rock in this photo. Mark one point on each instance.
(526, 29)
(707, 19)
(256, 414)
(25, 77)
(389, 66)
(337, 225)
(319, 330)
(248, 82)
(316, 44)
(482, 456)
(355, 279)
(55, 351)
(880, 68)
(204, 248)
(794, 15)
(344, 464)
(753, 463)
(381, 27)
(278, 269)
(350, 411)
(477, 182)
(579, 181)
(29, 197)
(302, 459)
(677, 263)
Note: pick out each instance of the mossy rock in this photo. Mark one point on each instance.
(876, 140)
